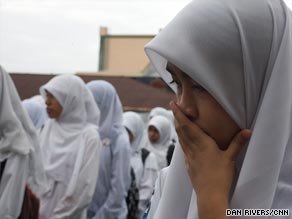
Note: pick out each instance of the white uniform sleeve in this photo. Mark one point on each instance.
(12, 186)
(159, 185)
(147, 183)
(79, 193)
(120, 182)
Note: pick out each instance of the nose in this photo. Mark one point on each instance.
(186, 100)
(48, 101)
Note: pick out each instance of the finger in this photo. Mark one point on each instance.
(178, 114)
(184, 126)
(185, 145)
(237, 143)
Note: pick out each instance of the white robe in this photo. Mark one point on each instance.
(158, 190)
(69, 200)
(146, 187)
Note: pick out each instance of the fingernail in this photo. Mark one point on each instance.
(247, 134)
(172, 106)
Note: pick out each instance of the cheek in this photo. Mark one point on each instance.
(59, 108)
(59, 111)
(219, 125)
(224, 129)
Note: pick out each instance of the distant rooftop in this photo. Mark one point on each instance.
(134, 94)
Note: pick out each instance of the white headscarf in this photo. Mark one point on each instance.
(160, 147)
(134, 123)
(39, 99)
(36, 111)
(114, 176)
(111, 109)
(18, 139)
(17, 132)
(167, 114)
(160, 111)
(240, 52)
(61, 138)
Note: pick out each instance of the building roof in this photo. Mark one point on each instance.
(134, 95)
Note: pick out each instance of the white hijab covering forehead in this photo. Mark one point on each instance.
(110, 106)
(160, 111)
(240, 52)
(36, 111)
(61, 139)
(76, 100)
(134, 123)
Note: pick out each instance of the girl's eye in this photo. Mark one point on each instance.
(177, 86)
(198, 88)
(172, 82)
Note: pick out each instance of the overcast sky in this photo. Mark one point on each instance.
(62, 36)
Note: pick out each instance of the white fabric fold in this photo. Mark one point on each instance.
(19, 146)
(109, 103)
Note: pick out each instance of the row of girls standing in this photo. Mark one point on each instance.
(79, 155)
(66, 165)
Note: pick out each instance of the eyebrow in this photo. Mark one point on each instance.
(173, 74)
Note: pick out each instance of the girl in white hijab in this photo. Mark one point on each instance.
(36, 111)
(159, 145)
(145, 171)
(70, 146)
(109, 201)
(231, 64)
(167, 114)
(19, 152)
